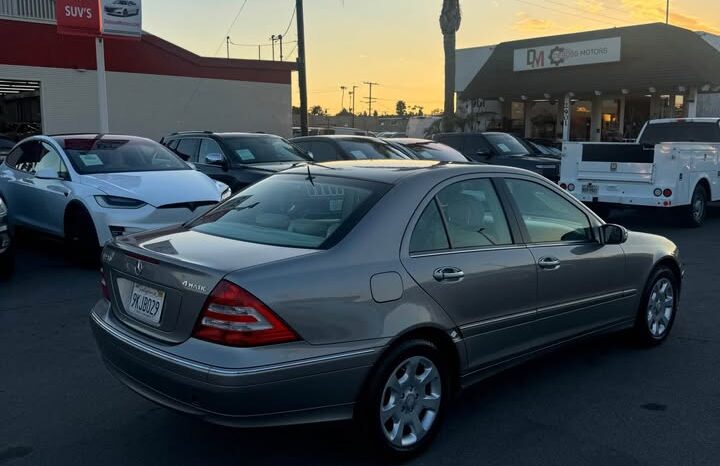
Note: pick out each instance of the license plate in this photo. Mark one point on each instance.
(146, 303)
(590, 189)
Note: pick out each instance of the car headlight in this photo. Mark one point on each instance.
(224, 190)
(225, 194)
(116, 202)
(3, 209)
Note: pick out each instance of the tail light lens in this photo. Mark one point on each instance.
(563, 185)
(103, 285)
(234, 317)
(667, 192)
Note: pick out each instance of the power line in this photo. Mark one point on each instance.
(566, 12)
(292, 17)
(584, 11)
(232, 25)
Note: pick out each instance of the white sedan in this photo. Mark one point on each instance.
(91, 188)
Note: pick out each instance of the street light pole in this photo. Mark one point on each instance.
(667, 12)
(302, 75)
(342, 99)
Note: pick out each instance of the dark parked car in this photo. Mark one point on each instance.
(341, 147)
(6, 253)
(537, 148)
(500, 149)
(425, 149)
(236, 159)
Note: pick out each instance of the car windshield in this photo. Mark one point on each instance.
(360, 149)
(436, 151)
(262, 149)
(293, 210)
(505, 144)
(119, 155)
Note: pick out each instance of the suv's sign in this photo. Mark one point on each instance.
(589, 52)
(78, 17)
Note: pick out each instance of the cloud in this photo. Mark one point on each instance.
(526, 23)
(591, 6)
(641, 10)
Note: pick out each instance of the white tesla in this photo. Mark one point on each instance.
(90, 188)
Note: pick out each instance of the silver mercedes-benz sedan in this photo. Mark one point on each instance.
(371, 290)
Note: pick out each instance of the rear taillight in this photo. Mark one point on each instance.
(667, 192)
(563, 185)
(103, 285)
(234, 317)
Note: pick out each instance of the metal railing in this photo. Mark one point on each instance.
(30, 10)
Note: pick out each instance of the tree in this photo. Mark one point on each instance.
(375, 113)
(317, 110)
(401, 108)
(450, 18)
(343, 112)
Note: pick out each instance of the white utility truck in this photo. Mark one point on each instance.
(673, 164)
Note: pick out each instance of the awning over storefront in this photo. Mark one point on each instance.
(630, 60)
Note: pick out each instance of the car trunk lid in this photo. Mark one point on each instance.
(159, 282)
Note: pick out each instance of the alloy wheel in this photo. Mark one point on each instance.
(410, 401)
(660, 307)
(698, 207)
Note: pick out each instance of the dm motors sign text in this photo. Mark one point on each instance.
(572, 54)
(122, 17)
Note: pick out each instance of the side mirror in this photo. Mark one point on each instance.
(215, 159)
(47, 174)
(613, 234)
(191, 165)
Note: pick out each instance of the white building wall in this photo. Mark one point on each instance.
(154, 106)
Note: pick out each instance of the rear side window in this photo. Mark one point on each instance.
(293, 211)
(187, 149)
(681, 131)
(429, 233)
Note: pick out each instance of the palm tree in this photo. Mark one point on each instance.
(449, 24)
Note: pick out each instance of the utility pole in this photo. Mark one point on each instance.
(342, 99)
(281, 53)
(370, 100)
(227, 44)
(259, 54)
(352, 110)
(302, 75)
(667, 12)
(273, 38)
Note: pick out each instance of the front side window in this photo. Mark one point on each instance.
(547, 216)
(187, 148)
(51, 160)
(209, 146)
(293, 211)
(36, 155)
(474, 214)
(119, 155)
(262, 149)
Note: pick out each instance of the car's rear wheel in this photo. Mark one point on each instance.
(80, 236)
(658, 307)
(405, 399)
(693, 215)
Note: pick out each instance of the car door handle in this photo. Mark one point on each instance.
(448, 274)
(549, 263)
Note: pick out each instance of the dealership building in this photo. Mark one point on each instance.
(598, 85)
(48, 81)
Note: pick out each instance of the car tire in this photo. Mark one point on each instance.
(658, 307)
(125, 13)
(693, 215)
(81, 237)
(407, 404)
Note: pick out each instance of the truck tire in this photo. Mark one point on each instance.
(693, 215)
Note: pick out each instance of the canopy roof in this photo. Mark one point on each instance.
(656, 55)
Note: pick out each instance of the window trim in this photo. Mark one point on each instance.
(525, 235)
(514, 229)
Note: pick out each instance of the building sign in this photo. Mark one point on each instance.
(122, 17)
(78, 17)
(589, 52)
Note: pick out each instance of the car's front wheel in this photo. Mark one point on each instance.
(658, 307)
(405, 399)
(80, 236)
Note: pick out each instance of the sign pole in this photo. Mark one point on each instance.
(103, 118)
(566, 118)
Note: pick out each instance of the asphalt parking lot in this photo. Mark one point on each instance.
(600, 402)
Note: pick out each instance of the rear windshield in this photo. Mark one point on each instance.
(261, 149)
(118, 155)
(505, 144)
(293, 210)
(360, 150)
(436, 151)
(681, 131)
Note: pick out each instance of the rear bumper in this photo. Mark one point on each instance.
(630, 194)
(306, 390)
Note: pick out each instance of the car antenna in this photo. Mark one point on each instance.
(310, 177)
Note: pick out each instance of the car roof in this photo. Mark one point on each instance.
(684, 120)
(222, 135)
(412, 141)
(63, 137)
(338, 137)
(392, 171)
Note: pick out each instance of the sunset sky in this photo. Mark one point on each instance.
(396, 43)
